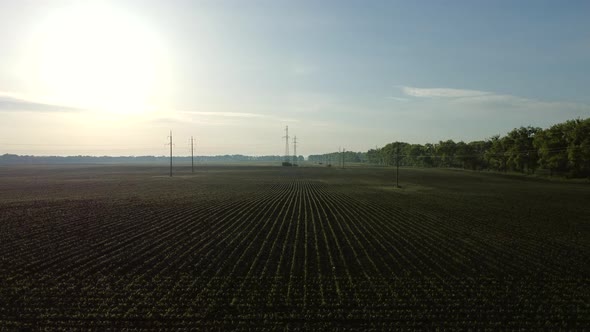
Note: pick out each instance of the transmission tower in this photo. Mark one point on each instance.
(286, 137)
(295, 150)
(170, 137)
(192, 155)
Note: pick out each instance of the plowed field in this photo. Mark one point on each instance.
(303, 248)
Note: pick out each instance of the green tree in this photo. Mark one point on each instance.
(429, 158)
(478, 149)
(520, 151)
(466, 155)
(578, 151)
(414, 153)
(552, 148)
(446, 152)
(496, 155)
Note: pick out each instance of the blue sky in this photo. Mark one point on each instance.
(356, 74)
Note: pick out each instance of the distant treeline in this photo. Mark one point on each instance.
(335, 158)
(563, 149)
(17, 159)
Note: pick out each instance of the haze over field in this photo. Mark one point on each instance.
(113, 77)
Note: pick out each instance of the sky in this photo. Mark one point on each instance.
(115, 77)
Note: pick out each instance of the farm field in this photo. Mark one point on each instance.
(127, 247)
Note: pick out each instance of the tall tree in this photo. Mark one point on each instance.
(520, 151)
(496, 155)
(578, 151)
(446, 152)
(552, 148)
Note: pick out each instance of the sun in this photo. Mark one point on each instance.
(99, 57)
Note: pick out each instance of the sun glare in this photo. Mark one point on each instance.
(100, 58)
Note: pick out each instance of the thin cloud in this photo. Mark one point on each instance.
(398, 99)
(14, 103)
(490, 100)
(482, 106)
(183, 121)
(442, 92)
(498, 101)
(241, 115)
(227, 114)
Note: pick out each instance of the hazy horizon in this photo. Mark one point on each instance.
(114, 77)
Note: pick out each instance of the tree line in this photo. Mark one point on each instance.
(562, 149)
(335, 158)
(27, 159)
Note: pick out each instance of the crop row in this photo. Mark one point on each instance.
(297, 251)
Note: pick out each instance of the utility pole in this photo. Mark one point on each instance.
(286, 137)
(170, 137)
(397, 165)
(192, 155)
(295, 150)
